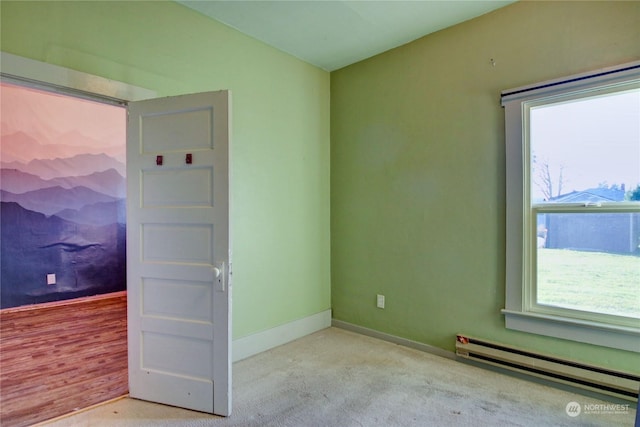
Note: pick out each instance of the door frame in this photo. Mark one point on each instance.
(53, 78)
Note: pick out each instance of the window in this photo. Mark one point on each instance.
(573, 208)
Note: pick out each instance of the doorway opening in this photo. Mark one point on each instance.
(179, 143)
(63, 263)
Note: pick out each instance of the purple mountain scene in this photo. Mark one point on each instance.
(62, 197)
(108, 182)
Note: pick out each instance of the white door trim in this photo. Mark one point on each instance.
(53, 78)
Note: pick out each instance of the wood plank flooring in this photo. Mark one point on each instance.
(60, 358)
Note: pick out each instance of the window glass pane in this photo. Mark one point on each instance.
(589, 262)
(585, 149)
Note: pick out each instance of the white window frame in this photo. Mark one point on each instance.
(521, 312)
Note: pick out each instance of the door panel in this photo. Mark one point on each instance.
(164, 131)
(189, 243)
(178, 251)
(198, 185)
(177, 299)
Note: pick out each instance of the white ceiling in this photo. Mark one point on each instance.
(332, 34)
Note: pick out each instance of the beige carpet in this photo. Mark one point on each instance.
(339, 378)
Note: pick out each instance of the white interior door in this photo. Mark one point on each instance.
(179, 251)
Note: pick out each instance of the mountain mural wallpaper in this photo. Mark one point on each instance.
(62, 197)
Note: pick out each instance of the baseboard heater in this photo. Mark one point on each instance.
(593, 378)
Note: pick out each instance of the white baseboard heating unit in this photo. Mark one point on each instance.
(602, 380)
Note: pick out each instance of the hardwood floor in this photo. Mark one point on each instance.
(59, 358)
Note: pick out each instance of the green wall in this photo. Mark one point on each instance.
(417, 157)
(418, 169)
(280, 142)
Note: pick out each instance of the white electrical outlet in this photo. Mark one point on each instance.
(380, 301)
(51, 279)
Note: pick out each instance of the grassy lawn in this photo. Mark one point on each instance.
(592, 281)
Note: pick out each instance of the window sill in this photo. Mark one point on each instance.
(620, 337)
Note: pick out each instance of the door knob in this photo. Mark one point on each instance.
(218, 277)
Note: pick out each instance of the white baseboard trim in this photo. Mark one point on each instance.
(394, 339)
(262, 341)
